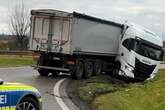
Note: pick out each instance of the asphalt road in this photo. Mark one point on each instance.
(29, 76)
(162, 66)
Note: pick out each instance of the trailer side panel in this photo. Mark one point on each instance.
(93, 37)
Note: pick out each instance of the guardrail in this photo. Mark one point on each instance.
(27, 53)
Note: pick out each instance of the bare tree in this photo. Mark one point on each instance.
(19, 24)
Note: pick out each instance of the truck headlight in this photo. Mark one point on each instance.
(130, 69)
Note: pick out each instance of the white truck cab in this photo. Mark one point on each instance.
(140, 53)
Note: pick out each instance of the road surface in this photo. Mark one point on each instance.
(44, 84)
(29, 76)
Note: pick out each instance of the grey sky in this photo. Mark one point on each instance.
(148, 13)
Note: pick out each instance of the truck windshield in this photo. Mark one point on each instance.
(148, 50)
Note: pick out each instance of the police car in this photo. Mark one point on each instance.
(16, 96)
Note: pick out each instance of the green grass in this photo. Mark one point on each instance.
(105, 94)
(98, 85)
(15, 61)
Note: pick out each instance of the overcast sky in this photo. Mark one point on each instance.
(148, 13)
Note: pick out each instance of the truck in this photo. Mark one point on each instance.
(84, 46)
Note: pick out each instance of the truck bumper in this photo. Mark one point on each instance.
(51, 68)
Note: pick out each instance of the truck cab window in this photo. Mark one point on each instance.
(149, 51)
(128, 43)
(125, 43)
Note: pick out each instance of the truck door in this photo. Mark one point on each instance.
(58, 36)
(127, 45)
(51, 33)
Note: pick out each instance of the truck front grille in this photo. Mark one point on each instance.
(142, 71)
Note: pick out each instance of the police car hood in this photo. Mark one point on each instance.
(16, 86)
(13, 84)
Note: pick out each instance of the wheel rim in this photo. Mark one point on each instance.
(26, 106)
(116, 70)
(79, 70)
(98, 68)
(89, 69)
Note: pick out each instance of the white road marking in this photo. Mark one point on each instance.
(57, 94)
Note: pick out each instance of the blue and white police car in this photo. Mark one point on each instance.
(16, 96)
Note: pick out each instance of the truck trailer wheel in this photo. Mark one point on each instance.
(116, 69)
(78, 70)
(97, 67)
(88, 68)
(43, 72)
(55, 73)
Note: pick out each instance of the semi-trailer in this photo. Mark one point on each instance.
(84, 45)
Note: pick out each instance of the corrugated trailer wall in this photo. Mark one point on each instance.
(73, 32)
(93, 37)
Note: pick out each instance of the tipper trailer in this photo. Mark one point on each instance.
(84, 46)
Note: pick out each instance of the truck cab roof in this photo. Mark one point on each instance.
(51, 12)
(145, 34)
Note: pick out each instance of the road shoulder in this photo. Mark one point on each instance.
(72, 91)
(64, 92)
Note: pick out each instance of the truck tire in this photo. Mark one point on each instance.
(88, 68)
(55, 73)
(43, 72)
(97, 67)
(116, 69)
(78, 71)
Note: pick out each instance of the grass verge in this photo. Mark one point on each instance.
(15, 61)
(105, 93)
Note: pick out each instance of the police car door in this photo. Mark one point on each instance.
(4, 99)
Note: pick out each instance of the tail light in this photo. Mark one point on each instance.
(71, 61)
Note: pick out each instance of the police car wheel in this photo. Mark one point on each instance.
(28, 103)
